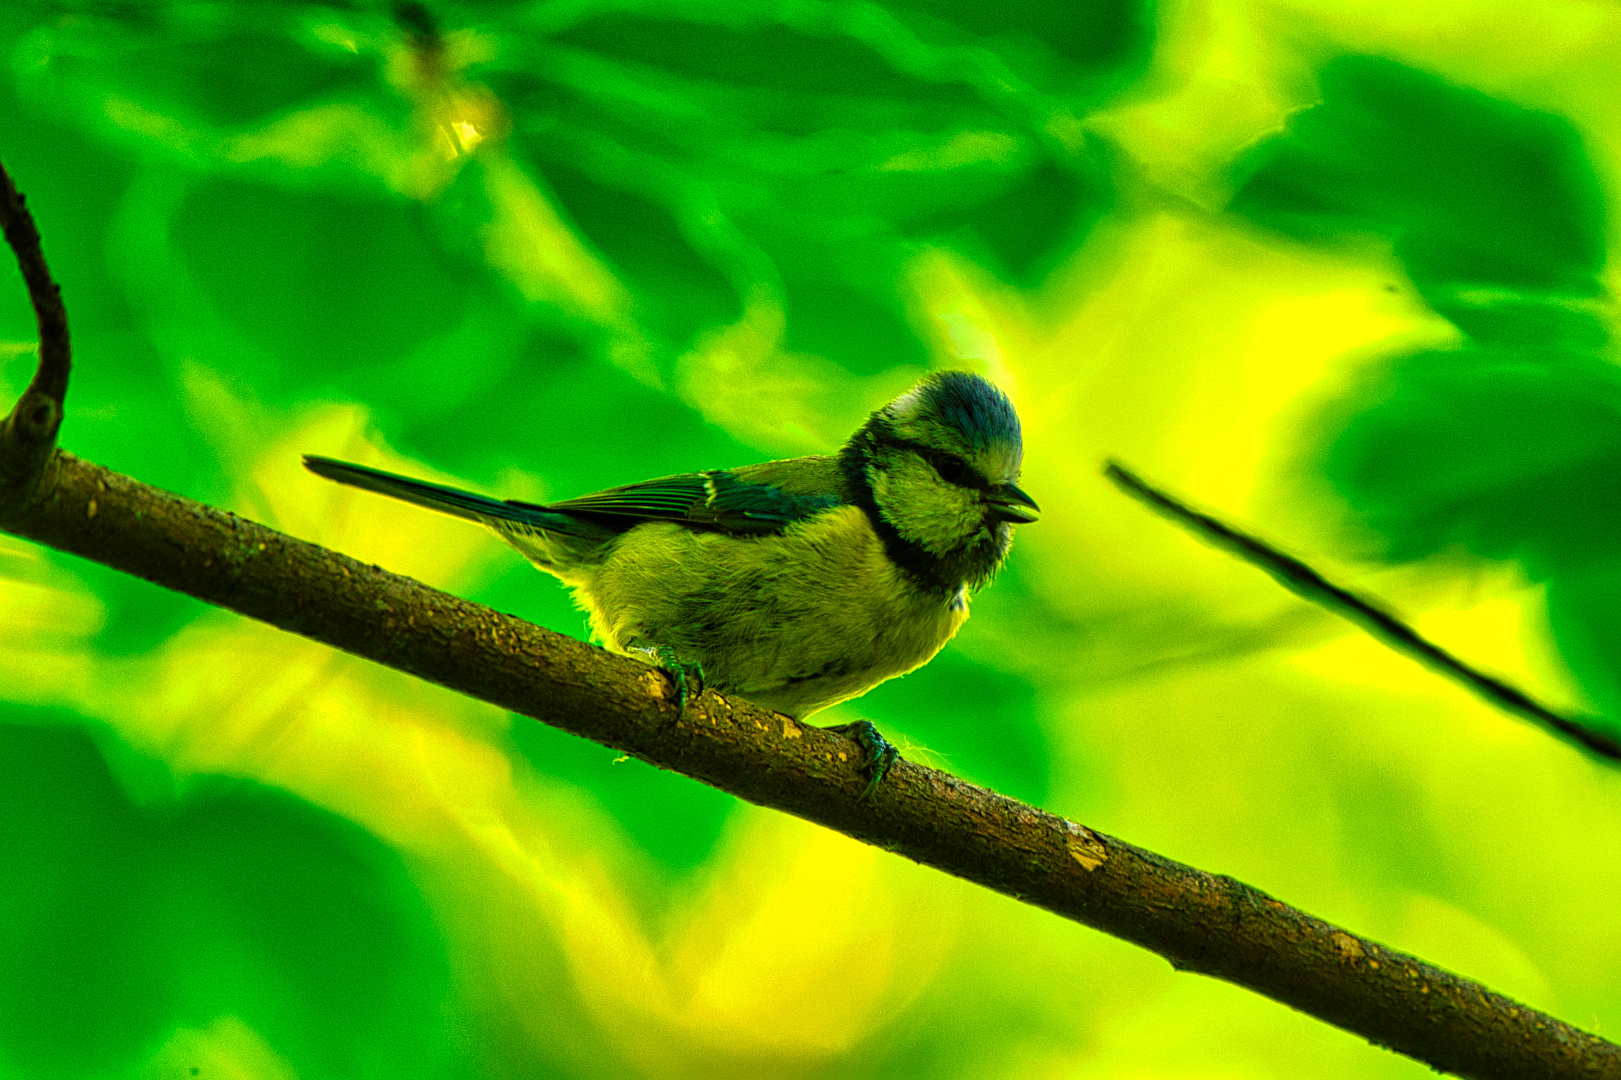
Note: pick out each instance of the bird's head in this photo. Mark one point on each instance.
(941, 463)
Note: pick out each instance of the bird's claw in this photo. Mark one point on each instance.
(881, 753)
(687, 680)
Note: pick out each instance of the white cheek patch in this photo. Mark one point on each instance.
(938, 517)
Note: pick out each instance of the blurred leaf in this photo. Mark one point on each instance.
(1510, 453)
(1472, 190)
(123, 920)
(1394, 841)
(370, 282)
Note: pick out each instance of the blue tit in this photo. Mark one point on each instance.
(795, 584)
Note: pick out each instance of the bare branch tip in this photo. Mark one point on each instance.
(22, 234)
(28, 434)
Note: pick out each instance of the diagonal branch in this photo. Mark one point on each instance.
(1308, 584)
(1198, 921)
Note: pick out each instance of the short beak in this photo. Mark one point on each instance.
(1008, 503)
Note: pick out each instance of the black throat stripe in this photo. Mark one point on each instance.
(925, 570)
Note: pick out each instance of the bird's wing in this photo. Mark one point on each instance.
(718, 499)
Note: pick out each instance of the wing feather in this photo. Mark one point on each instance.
(719, 499)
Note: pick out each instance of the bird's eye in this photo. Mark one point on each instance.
(951, 468)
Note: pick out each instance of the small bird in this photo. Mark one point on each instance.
(796, 584)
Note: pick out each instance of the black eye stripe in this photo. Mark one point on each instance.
(960, 474)
(952, 469)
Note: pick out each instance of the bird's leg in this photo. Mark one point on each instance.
(881, 753)
(686, 679)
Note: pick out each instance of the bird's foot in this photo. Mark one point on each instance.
(881, 753)
(687, 680)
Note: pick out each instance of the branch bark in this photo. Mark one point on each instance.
(1200, 922)
(28, 434)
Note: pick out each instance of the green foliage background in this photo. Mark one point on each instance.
(1336, 270)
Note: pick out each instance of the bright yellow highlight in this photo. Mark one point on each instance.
(46, 620)
(801, 944)
(1498, 626)
(1438, 931)
(277, 490)
(1223, 85)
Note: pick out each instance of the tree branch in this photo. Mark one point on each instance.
(1199, 922)
(28, 434)
(1308, 584)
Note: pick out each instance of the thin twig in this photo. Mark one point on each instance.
(1307, 583)
(51, 377)
(28, 434)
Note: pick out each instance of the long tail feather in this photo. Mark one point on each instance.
(448, 500)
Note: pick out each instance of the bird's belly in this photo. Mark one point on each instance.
(878, 643)
(795, 622)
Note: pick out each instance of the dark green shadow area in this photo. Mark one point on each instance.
(843, 301)
(705, 156)
(758, 54)
(566, 416)
(1517, 320)
(321, 281)
(1584, 610)
(124, 410)
(236, 78)
(1029, 224)
(1110, 39)
(125, 919)
(979, 721)
(678, 292)
(1469, 188)
(1508, 453)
